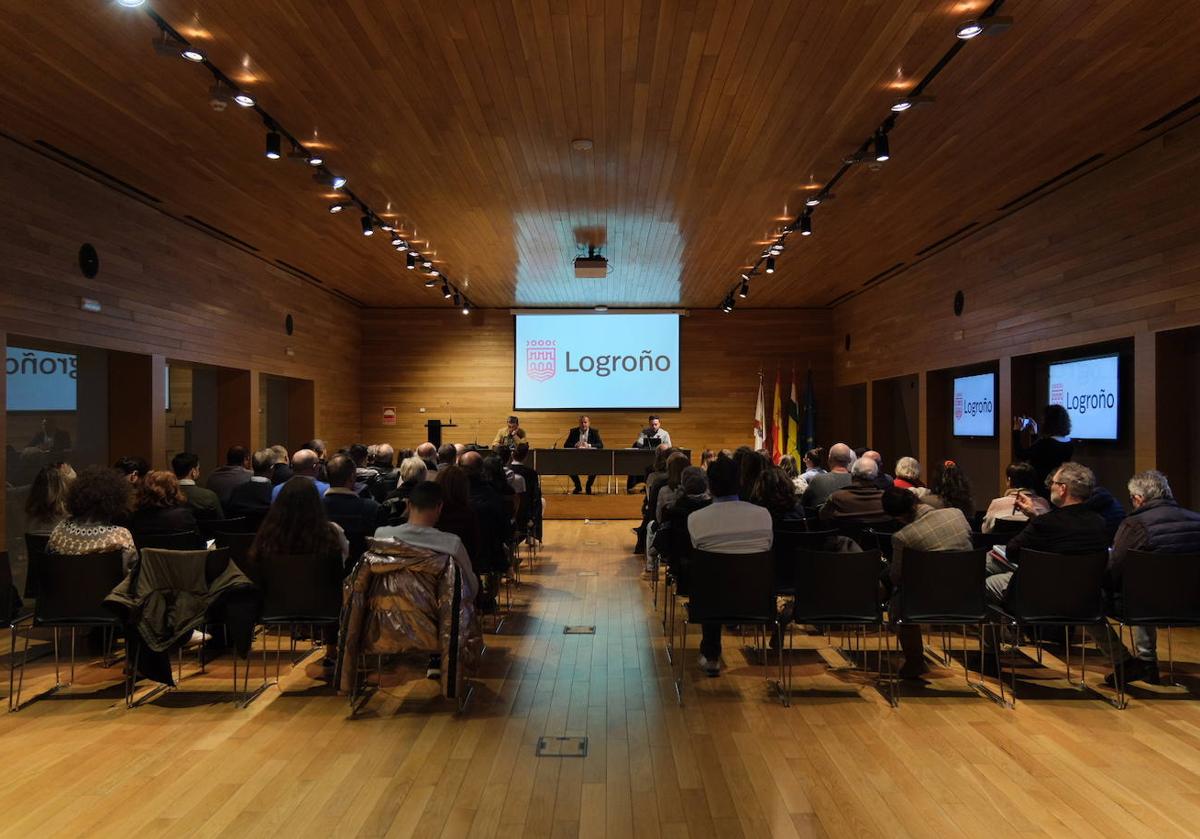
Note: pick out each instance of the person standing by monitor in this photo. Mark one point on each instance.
(583, 436)
(650, 437)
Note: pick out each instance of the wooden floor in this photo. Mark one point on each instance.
(732, 762)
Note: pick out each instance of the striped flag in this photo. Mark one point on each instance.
(760, 416)
(776, 447)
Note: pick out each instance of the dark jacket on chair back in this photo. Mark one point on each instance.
(1158, 525)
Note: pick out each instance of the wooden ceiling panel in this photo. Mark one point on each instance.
(710, 121)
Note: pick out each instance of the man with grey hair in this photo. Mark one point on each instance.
(862, 501)
(1157, 523)
(389, 476)
(820, 487)
(1069, 528)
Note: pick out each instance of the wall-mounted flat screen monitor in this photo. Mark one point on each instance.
(975, 405)
(41, 381)
(1089, 388)
(588, 361)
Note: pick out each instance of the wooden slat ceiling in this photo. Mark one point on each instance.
(709, 120)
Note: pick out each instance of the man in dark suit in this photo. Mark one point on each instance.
(358, 516)
(253, 498)
(583, 436)
(235, 472)
(1069, 528)
(204, 502)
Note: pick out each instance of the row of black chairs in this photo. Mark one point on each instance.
(939, 589)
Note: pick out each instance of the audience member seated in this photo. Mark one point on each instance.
(1109, 508)
(253, 498)
(96, 498)
(514, 480)
(457, 516)
(389, 476)
(234, 473)
(304, 465)
(1022, 480)
(924, 529)
(427, 452)
(656, 476)
(318, 445)
(669, 491)
(447, 455)
(861, 501)
(493, 514)
(423, 530)
(46, 505)
(788, 464)
(281, 472)
(825, 484)
(908, 476)
(884, 480)
(133, 468)
(162, 507)
(204, 502)
(730, 526)
(358, 517)
(1052, 448)
(774, 491)
(706, 457)
(751, 465)
(366, 473)
(411, 472)
(1157, 523)
(1069, 528)
(671, 539)
(812, 463)
(950, 488)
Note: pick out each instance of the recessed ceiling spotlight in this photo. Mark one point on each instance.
(402, 246)
(315, 160)
(814, 200)
(433, 272)
(746, 277)
(426, 264)
(466, 306)
(339, 206)
(806, 225)
(192, 54)
(244, 99)
(397, 241)
(272, 145)
(582, 144)
(387, 227)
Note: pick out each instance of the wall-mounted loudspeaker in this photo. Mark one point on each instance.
(289, 325)
(89, 261)
(958, 303)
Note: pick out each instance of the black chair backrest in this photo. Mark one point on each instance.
(1059, 588)
(187, 540)
(209, 528)
(1160, 588)
(10, 601)
(35, 549)
(238, 544)
(788, 544)
(942, 586)
(837, 587)
(883, 541)
(731, 587)
(215, 563)
(1007, 528)
(73, 588)
(862, 531)
(986, 541)
(300, 588)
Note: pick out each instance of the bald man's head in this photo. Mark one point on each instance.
(840, 456)
(426, 451)
(875, 456)
(304, 462)
(471, 462)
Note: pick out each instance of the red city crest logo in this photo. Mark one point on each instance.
(1056, 393)
(541, 358)
(958, 406)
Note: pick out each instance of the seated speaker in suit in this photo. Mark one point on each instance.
(583, 436)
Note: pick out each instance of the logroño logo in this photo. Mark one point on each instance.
(1056, 394)
(541, 359)
(958, 406)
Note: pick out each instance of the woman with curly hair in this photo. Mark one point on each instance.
(98, 497)
(951, 489)
(46, 505)
(775, 491)
(161, 506)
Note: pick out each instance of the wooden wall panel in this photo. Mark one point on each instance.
(462, 367)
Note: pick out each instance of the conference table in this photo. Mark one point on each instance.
(608, 462)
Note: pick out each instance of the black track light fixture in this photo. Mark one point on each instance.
(397, 241)
(368, 228)
(273, 145)
(902, 105)
(338, 206)
(430, 281)
(457, 299)
(193, 54)
(330, 180)
(993, 25)
(466, 306)
(770, 269)
(806, 225)
(411, 261)
(882, 153)
(727, 305)
(744, 291)
(446, 293)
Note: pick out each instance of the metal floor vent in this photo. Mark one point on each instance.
(562, 747)
(589, 573)
(579, 630)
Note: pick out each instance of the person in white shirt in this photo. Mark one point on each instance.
(653, 436)
(728, 526)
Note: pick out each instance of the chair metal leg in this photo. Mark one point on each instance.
(1170, 657)
(680, 663)
(57, 677)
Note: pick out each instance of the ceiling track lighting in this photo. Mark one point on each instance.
(770, 265)
(806, 225)
(446, 293)
(273, 145)
(411, 262)
(339, 206)
(244, 99)
(400, 244)
(744, 291)
(396, 240)
(727, 305)
(881, 147)
(192, 54)
(466, 306)
(329, 179)
(430, 281)
(387, 227)
(457, 299)
(368, 228)
(131, 4)
(902, 105)
(994, 25)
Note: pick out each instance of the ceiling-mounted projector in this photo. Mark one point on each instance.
(591, 267)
